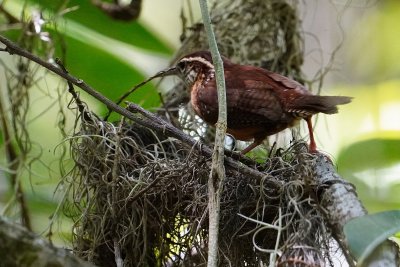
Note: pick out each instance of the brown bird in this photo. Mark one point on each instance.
(259, 102)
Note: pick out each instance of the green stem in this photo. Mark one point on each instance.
(217, 175)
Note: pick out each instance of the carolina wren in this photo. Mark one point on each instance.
(259, 102)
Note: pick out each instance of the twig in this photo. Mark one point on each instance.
(159, 125)
(114, 198)
(168, 114)
(75, 96)
(217, 175)
(133, 89)
(14, 161)
(154, 123)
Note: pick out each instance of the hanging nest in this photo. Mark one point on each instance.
(140, 197)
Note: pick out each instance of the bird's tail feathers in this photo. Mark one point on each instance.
(324, 104)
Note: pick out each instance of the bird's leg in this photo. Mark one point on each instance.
(313, 145)
(253, 145)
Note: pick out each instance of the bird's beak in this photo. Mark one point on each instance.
(163, 73)
(167, 72)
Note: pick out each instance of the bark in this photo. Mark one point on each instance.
(20, 247)
(340, 204)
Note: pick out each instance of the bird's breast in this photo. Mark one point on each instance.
(204, 99)
(194, 99)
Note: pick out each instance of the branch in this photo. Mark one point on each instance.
(217, 175)
(154, 123)
(19, 247)
(335, 195)
(340, 204)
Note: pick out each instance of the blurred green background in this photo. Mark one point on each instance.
(358, 41)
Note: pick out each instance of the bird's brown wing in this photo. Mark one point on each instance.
(252, 101)
(247, 91)
(246, 107)
(294, 97)
(275, 81)
(260, 103)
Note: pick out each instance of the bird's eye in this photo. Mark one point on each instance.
(181, 66)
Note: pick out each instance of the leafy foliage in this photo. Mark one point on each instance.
(365, 233)
(89, 43)
(377, 152)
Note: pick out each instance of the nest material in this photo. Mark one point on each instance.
(141, 199)
(258, 32)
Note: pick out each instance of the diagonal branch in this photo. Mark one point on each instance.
(332, 191)
(155, 123)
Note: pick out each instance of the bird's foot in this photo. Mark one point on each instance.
(312, 148)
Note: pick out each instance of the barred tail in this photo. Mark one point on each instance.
(325, 104)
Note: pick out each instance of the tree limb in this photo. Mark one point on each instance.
(340, 204)
(19, 247)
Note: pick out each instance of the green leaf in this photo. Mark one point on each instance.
(365, 233)
(97, 64)
(83, 12)
(106, 73)
(371, 153)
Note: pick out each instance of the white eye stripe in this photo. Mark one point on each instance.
(198, 59)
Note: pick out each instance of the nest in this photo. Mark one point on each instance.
(139, 198)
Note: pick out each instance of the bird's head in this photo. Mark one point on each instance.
(189, 67)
